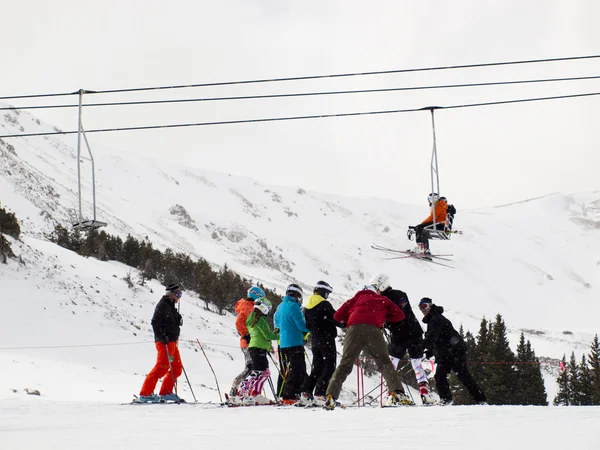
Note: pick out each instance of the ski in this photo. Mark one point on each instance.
(136, 401)
(402, 254)
(235, 403)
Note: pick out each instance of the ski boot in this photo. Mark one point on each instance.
(152, 398)
(398, 398)
(426, 396)
(305, 399)
(319, 400)
(172, 397)
(329, 403)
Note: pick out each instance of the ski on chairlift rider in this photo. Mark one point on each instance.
(444, 216)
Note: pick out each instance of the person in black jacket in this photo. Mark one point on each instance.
(318, 313)
(406, 335)
(166, 323)
(450, 351)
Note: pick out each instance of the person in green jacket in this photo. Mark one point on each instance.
(260, 343)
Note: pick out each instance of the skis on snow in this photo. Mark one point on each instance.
(402, 254)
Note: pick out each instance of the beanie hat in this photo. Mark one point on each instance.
(172, 288)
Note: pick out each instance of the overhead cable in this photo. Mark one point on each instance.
(305, 94)
(314, 77)
(314, 116)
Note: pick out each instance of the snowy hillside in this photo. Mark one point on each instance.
(536, 262)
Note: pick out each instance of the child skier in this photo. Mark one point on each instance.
(243, 308)
(260, 343)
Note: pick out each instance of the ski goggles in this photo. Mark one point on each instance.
(179, 294)
(424, 306)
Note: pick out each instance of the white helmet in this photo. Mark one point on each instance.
(433, 198)
(263, 305)
(380, 282)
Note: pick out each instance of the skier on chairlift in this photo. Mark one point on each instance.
(438, 215)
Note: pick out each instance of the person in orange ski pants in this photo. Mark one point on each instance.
(166, 323)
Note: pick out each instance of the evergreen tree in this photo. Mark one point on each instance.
(594, 362)
(564, 395)
(501, 383)
(574, 380)
(584, 390)
(131, 252)
(530, 382)
(480, 355)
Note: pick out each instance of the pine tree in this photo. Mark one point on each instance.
(564, 396)
(574, 380)
(530, 382)
(480, 355)
(594, 362)
(501, 384)
(585, 389)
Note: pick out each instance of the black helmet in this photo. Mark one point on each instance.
(293, 290)
(323, 288)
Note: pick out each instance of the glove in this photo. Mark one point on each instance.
(419, 227)
(306, 336)
(180, 319)
(246, 337)
(428, 354)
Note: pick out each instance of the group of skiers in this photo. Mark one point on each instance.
(377, 319)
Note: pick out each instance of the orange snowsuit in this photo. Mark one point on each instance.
(243, 308)
(441, 212)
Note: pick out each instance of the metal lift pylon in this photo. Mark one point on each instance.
(432, 230)
(85, 224)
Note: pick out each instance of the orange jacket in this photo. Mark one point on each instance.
(243, 308)
(441, 210)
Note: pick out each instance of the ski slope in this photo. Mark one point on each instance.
(34, 423)
(72, 329)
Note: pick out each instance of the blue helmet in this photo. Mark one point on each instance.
(255, 293)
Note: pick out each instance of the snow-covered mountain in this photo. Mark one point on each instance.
(536, 262)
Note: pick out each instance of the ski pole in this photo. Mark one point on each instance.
(211, 368)
(171, 370)
(273, 389)
(188, 382)
(308, 357)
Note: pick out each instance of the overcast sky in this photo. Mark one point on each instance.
(487, 156)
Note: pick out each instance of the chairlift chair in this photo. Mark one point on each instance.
(85, 224)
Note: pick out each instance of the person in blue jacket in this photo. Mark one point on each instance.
(292, 329)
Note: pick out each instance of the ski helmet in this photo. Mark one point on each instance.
(295, 291)
(323, 289)
(433, 198)
(380, 282)
(263, 305)
(255, 293)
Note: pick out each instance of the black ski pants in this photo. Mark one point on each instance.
(422, 235)
(323, 365)
(400, 342)
(259, 358)
(294, 371)
(457, 363)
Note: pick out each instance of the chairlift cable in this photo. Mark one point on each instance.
(305, 94)
(312, 77)
(314, 116)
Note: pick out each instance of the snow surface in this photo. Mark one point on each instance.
(72, 329)
(37, 423)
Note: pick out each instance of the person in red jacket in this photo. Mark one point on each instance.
(364, 315)
(243, 308)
